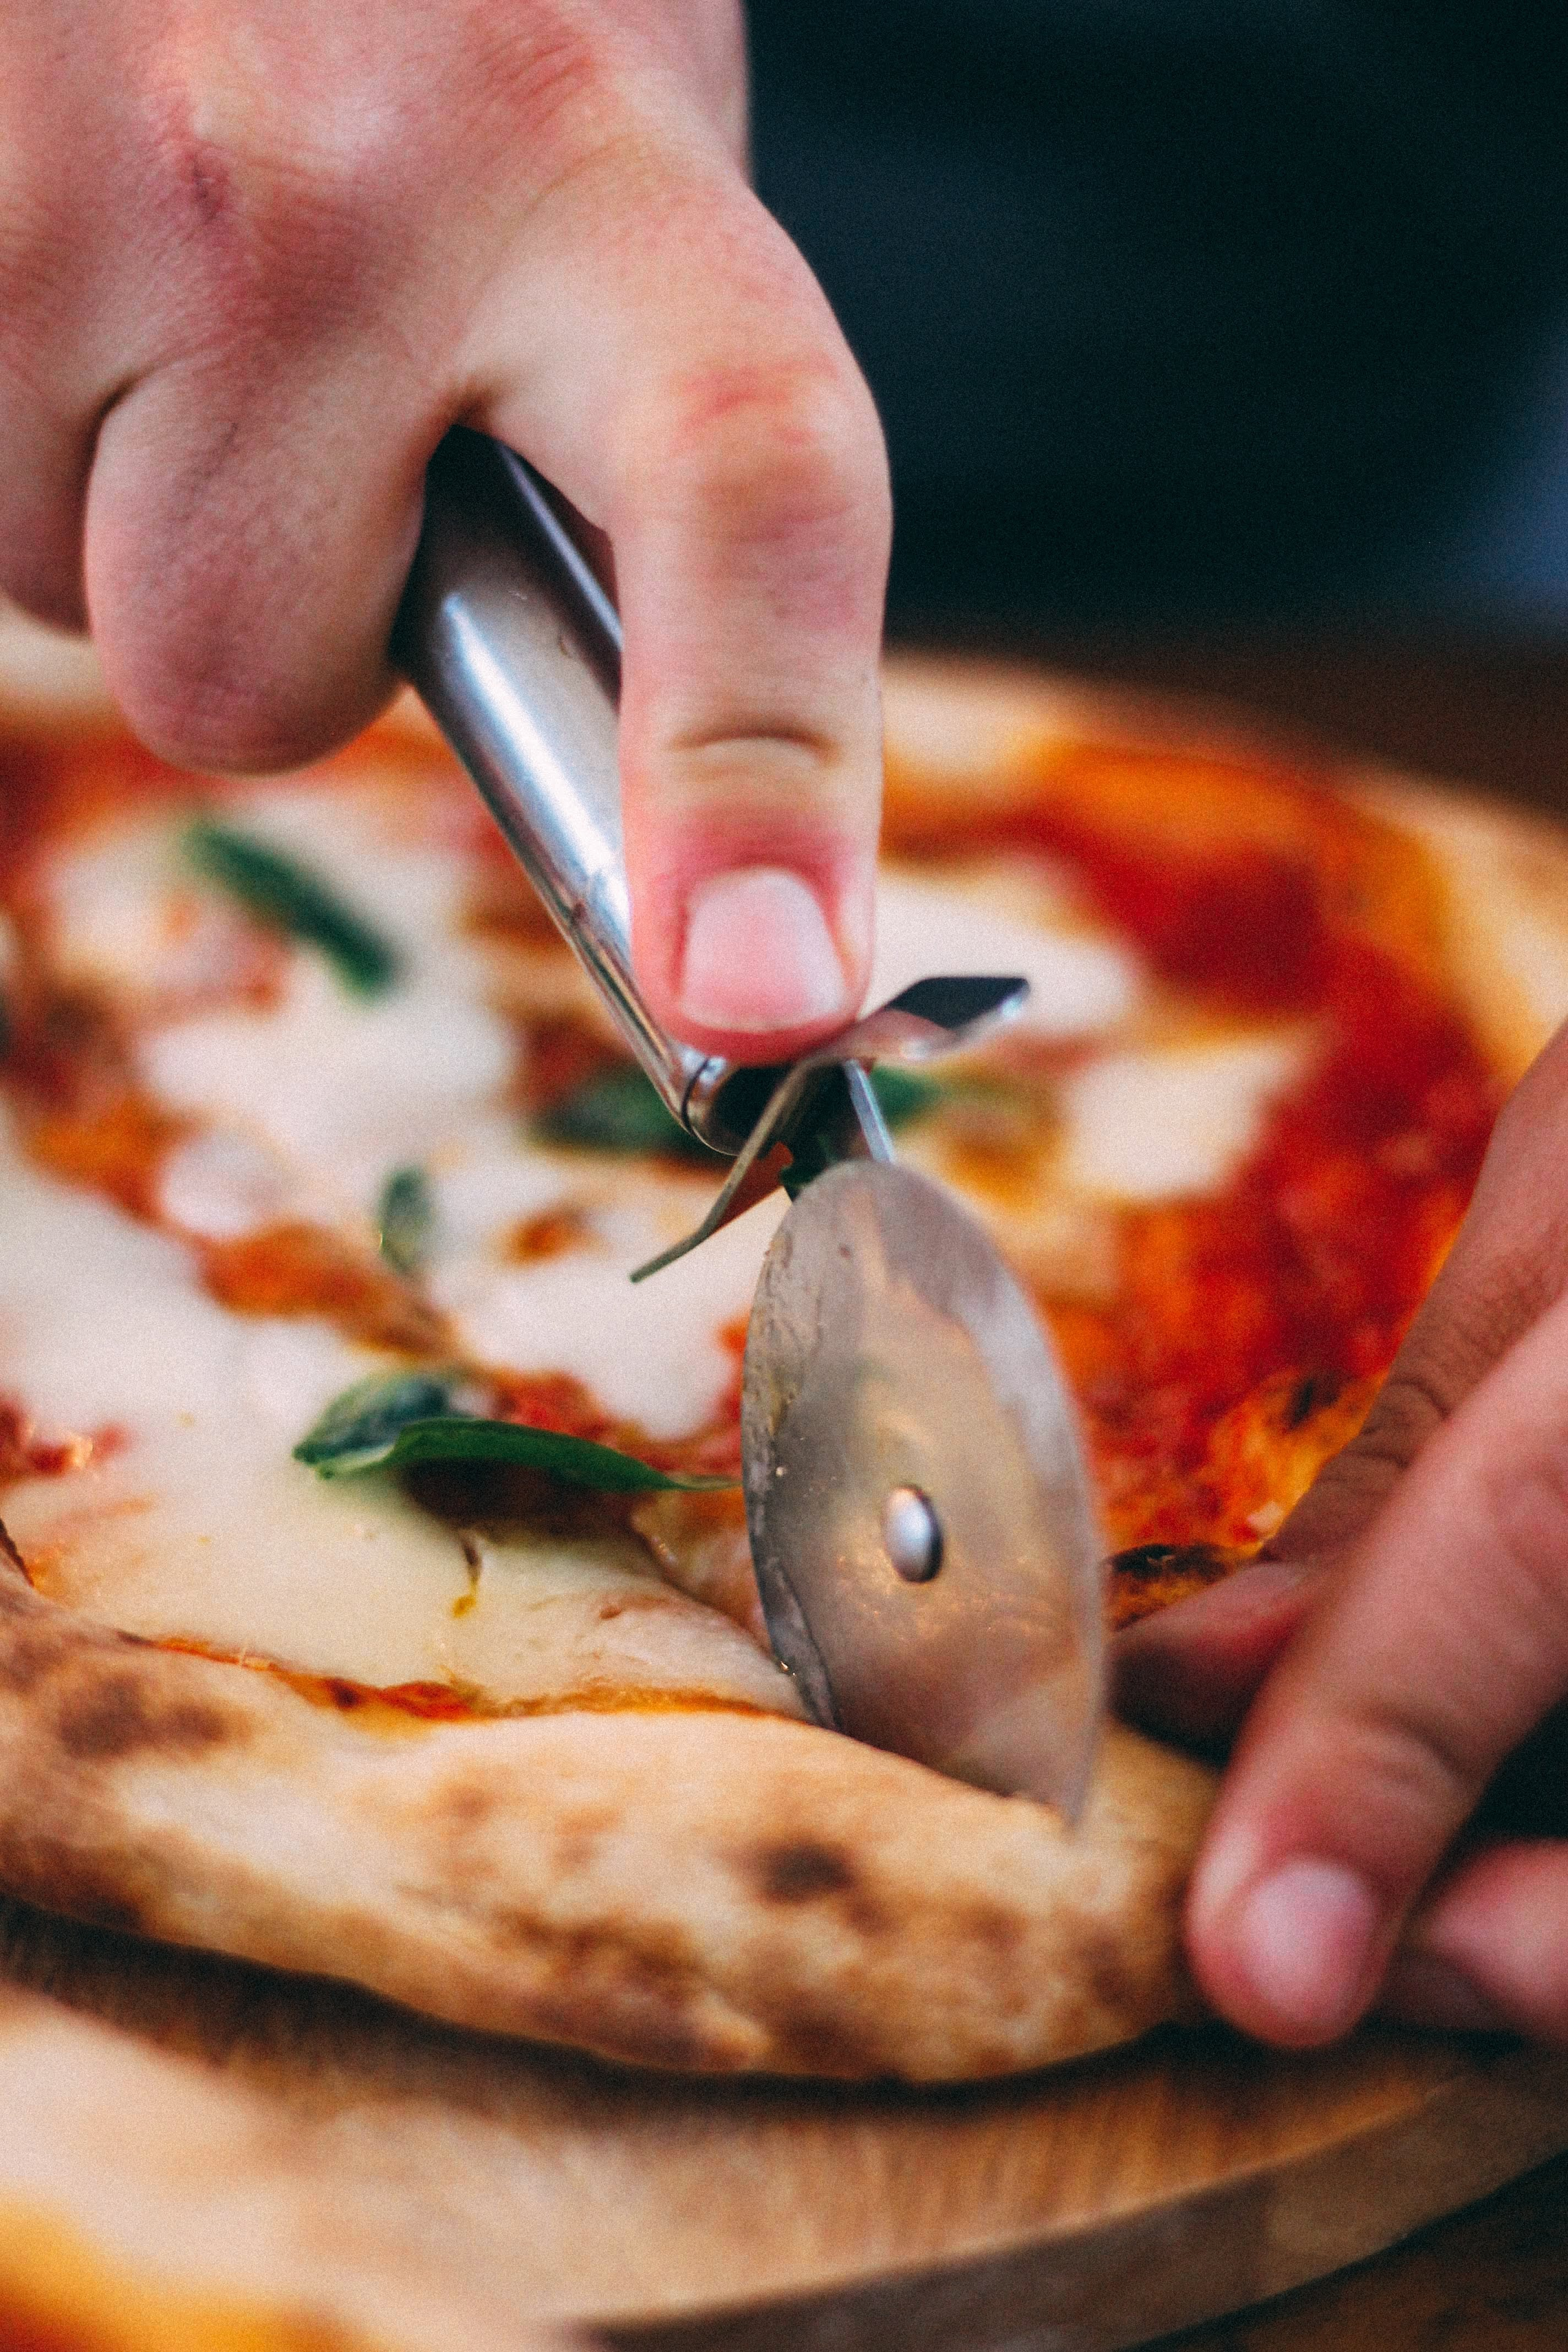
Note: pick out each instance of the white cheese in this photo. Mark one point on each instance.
(649, 1350)
(1082, 981)
(1167, 1123)
(348, 1086)
(221, 1184)
(196, 1522)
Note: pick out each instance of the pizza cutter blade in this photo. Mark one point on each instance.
(921, 1520)
(917, 1506)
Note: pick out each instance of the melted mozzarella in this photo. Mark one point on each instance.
(1082, 982)
(348, 1086)
(221, 1184)
(194, 1519)
(649, 1350)
(1164, 1124)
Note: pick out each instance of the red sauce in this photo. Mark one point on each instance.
(428, 1702)
(306, 1269)
(24, 1454)
(1253, 892)
(117, 1148)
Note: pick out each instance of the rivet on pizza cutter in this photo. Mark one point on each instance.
(921, 1520)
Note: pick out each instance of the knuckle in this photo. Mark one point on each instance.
(1418, 1760)
(1525, 1498)
(545, 74)
(776, 447)
(197, 698)
(1414, 1400)
(266, 196)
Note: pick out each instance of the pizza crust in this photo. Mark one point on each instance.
(1505, 895)
(681, 1888)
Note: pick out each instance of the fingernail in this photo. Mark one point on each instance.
(1424, 1990)
(758, 954)
(1304, 1936)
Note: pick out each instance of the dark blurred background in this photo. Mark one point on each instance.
(1186, 314)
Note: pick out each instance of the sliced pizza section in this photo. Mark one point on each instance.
(313, 1142)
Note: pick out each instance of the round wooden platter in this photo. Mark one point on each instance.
(1079, 2211)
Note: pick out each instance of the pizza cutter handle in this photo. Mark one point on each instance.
(515, 647)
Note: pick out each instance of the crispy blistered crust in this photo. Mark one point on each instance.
(695, 1890)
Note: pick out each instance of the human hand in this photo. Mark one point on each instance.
(255, 258)
(1393, 1827)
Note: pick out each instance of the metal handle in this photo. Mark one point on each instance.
(516, 650)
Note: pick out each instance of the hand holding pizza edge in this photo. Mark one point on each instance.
(1393, 1826)
(253, 261)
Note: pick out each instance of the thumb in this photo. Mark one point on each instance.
(686, 388)
(1442, 1644)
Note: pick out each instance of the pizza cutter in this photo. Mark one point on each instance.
(920, 1513)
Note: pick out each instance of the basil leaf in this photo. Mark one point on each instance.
(278, 892)
(406, 1215)
(903, 1095)
(359, 1428)
(458, 1437)
(619, 1110)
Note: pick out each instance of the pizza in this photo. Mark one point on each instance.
(313, 1141)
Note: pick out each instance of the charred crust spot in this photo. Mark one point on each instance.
(463, 1804)
(1309, 1395)
(28, 1656)
(631, 1996)
(1107, 1979)
(60, 1878)
(1151, 1576)
(10, 1553)
(803, 1870)
(114, 1718)
(347, 1697)
(1000, 1932)
(815, 2042)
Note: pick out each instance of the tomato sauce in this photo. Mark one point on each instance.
(399, 1703)
(1252, 890)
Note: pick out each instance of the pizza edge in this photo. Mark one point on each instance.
(690, 1889)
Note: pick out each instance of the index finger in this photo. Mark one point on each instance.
(1444, 1643)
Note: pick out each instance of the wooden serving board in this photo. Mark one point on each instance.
(1080, 2210)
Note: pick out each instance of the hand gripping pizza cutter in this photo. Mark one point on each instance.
(919, 1514)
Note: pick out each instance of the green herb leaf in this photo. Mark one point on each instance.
(278, 892)
(903, 1095)
(406, 1215)
(359, 1428)
(620, 1110)
(391, 1421)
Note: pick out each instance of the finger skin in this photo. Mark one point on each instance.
(692, 396)
(317, 239)
(1190, 1672)
(1442, 1644)
(1507, 1265)
(1489, 1950)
